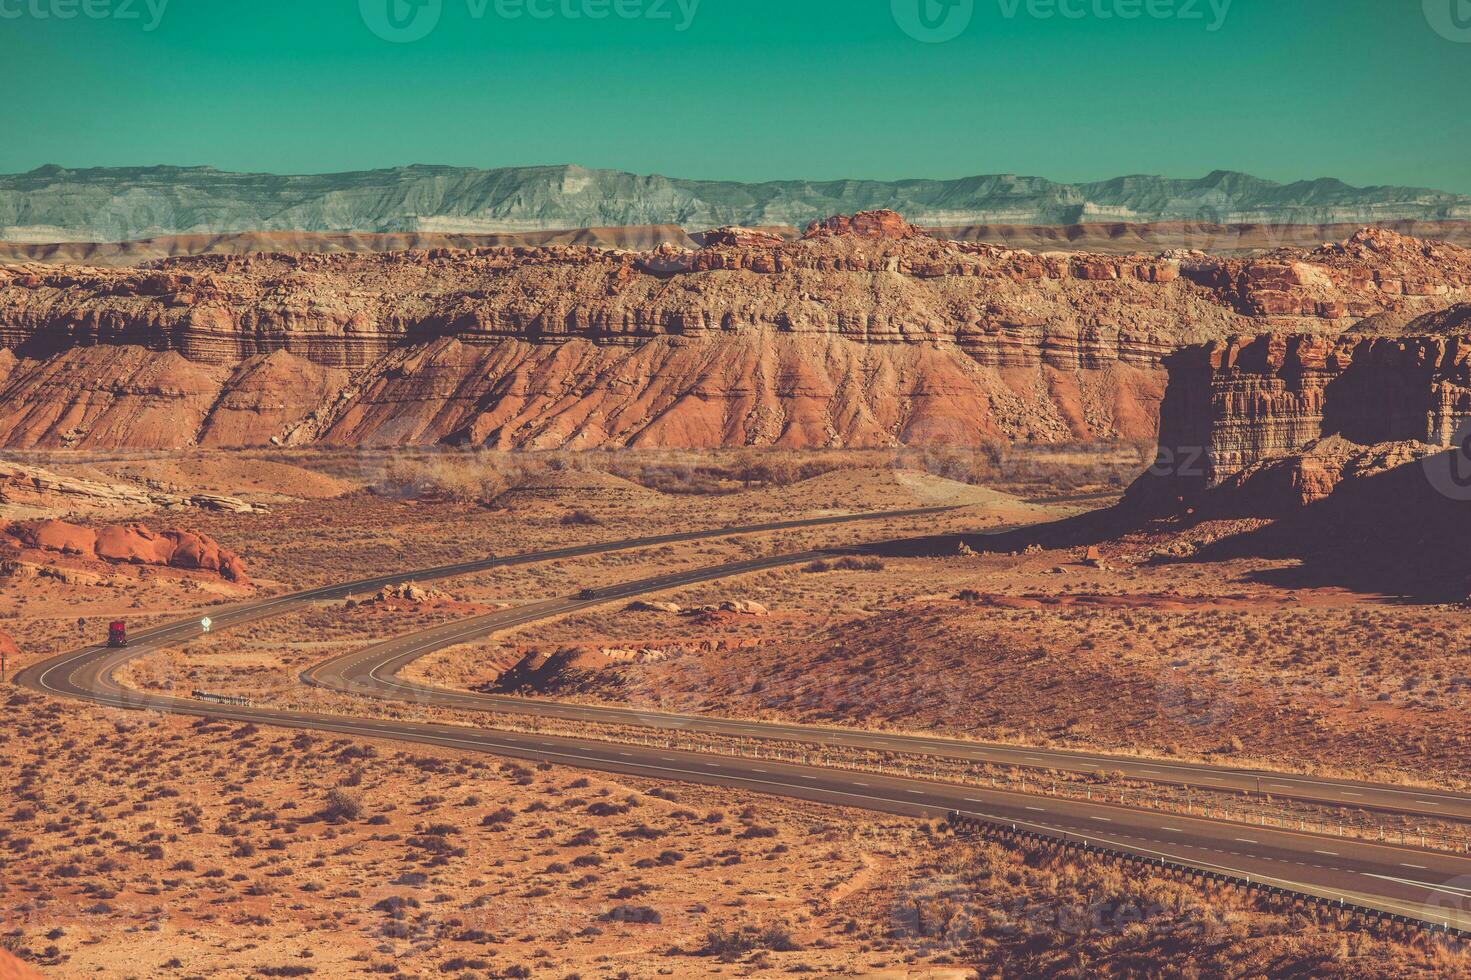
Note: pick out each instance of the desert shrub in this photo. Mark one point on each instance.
(342, 805)
(847, 563)
(756, 830)
(602, 808)
(581, 518)
(454, 476)
(730, 944)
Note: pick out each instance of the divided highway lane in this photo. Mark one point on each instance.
(1428, 886)
(1425, 885)
(372, 672)
(240, 614)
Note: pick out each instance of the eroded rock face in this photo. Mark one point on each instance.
(865, 224)
(1290, 414)
(133, 544)
(866, 332)
(22, 485)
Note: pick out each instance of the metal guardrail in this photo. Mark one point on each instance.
(229, 699)
(1011, 832)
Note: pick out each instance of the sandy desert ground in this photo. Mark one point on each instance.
(140, 845)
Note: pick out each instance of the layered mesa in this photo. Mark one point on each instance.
(864, 332)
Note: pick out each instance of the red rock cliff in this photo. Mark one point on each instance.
(1232, 405)
(866, 332)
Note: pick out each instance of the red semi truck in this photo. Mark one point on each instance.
(117, 634)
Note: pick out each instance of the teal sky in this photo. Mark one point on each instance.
(1364, 90)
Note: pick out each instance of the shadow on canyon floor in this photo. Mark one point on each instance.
(1403, 533)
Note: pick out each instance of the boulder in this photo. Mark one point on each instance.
(134, 544)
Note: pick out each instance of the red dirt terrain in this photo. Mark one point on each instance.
(864, 332)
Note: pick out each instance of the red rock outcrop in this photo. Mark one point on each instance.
(1290, 415)
(733, 237)
(13, 969)
(132, 544)
(865, 224)
(866, 332)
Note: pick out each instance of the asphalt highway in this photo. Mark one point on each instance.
(1424, 885)
(372, 671)
(1429, 886)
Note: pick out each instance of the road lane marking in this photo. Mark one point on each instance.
(1332, 854)
(1448, 889)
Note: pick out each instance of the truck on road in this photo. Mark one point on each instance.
(117, 633)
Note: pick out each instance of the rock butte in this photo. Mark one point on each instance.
(865, 332)
(132, 544)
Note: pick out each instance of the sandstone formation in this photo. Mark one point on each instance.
(1235, 403)
(13, 969)
(1279, 420)
(31, 486)
(119, 544)
(865, 332)
(1111, 238)
(406, 594)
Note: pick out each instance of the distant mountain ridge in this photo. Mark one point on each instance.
(55, 204)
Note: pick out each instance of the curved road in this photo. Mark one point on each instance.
(1424, 885)
(372, 671)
